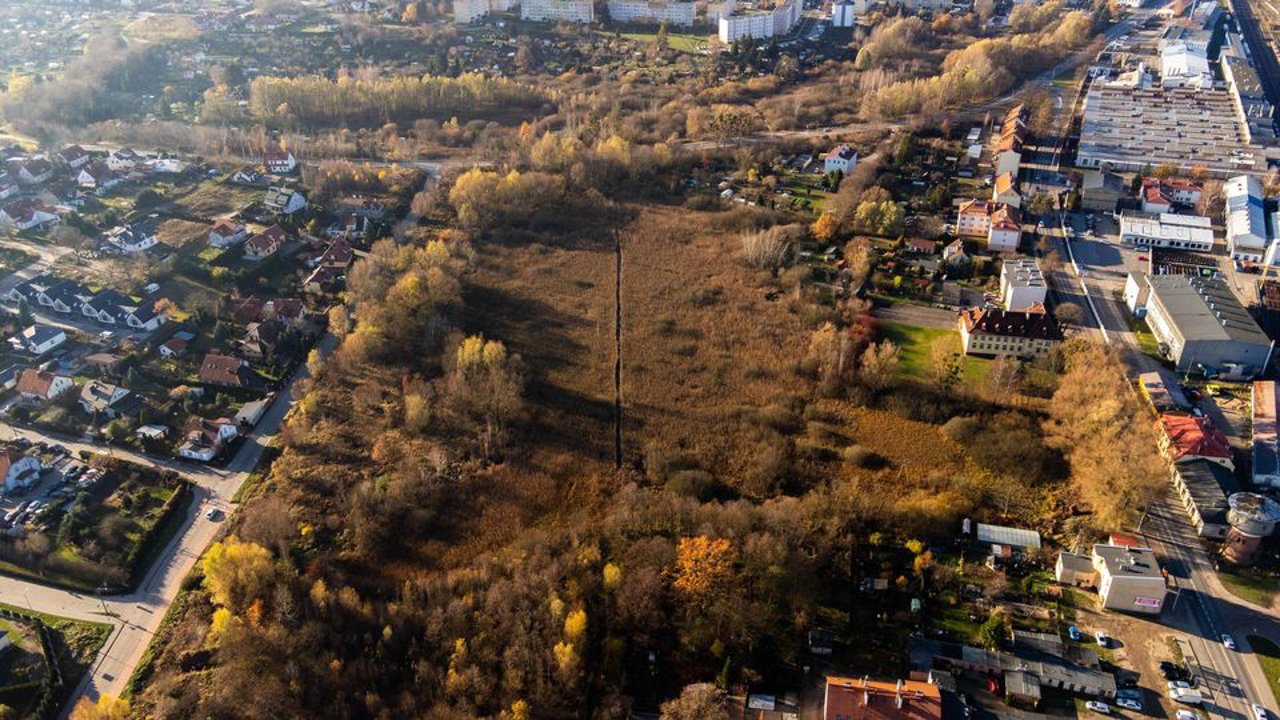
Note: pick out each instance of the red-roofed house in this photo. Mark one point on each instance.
(42, 386)
(248, 310)
(863, 699)
(1159, 196)
(226, 233)
(1184, 438)
(264, 244)
(218, 369)
(204, 438)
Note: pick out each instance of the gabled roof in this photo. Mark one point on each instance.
(288, 308)
(339, 252)
(1195, 437)
(1006, 217)
(267, 239)
(72, 153)
(227, 228)
(223, 370)
(1011, 323)
(1005, 182)
(35, 382)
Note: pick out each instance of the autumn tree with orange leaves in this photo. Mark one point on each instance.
(704, 567)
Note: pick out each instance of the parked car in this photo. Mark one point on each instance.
(1073, 632)
(1228, 642)
(1098, 707)
(212, 513)
(1187, 715)
(1259, 712)
(1104, 640)
(1129, 704)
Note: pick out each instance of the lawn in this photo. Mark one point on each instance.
(12, 259)
(213, 198)
(1251, 586)
(1146, 339)
(692, 44)
(1269, 657)
(915, 350)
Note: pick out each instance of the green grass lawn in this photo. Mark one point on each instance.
(1250, 586)
(1269, 657)
(1146, 339)
(915, 350)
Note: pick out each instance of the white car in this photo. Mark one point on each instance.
(1179, 685)
(1098, 707)
(1104, 640)
(1129, 704)
(1228, 643)
(1259, 712)
(1187, 715)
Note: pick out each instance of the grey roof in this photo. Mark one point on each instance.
(1208, 484)
(1022, 684)
(1163, 391)
(1128, 561)
(1266, 451)
(1076, 562)
(1205, 309)
(1098, 180)
(1047, 668)
(1016, 537)
(40, 334)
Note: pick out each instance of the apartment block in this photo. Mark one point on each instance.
(653, 11)
(571, 11)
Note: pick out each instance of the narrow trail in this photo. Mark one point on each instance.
(617, 350)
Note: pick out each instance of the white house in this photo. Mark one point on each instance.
(35, 171)
(279, 161)
(227, 233)
(19, 470)
(134, 238)
(123, 160)
(26, 216)
(1246, 221)
(842, 158)
(97, 177)
(109, 400)
(40, 385)
(40, 339)
(284, 201)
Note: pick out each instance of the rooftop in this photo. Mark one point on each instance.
(1001, 535)
(1023, 272)
(1128, 562)
(1205, 309)
(1209, 484)
(1266, 444)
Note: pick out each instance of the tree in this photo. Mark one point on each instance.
(25, 316)
(1042, 204)
(1068, 314)
(702, 701)
(108, 707)
(661, 39)
(993, 632)
(824, 228)
(704, 567)
(235, 573)
(485, 388)
(878, 369)
(863, 60)
(946, 363)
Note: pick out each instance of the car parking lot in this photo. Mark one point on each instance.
(62, 478)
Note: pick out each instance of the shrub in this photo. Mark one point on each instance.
(861, 457)
(778, 418)
(698, 484)
(661, 463)
(962, 428)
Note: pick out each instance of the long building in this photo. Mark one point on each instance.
(653, 11)
(1183, 232)
(571, 11)
(1246, 220)
(1202, 327)
(1131, 128)
(1266, 440)
(759, 24)
(1203, 488)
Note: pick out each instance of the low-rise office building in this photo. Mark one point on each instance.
(1129, 579)
(1202, 327)
(1182, 232)
(1019, 333)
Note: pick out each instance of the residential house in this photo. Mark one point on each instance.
(226, 233)
(338, 255)
(135, 237)
(1162, 196)
(324, 281)
(372, 208)
(264, 244)
(279, 161)
(43, 386)
(287, 310)
(104, 307)
(251, 412)
(110, 401)
(74, 157)
(62, 296)
(954, 254)
(145, 315)
(35, 171)
(851, 698)
(248, 176)
(27, 214)
(1004, 232)
(261, 338)
(973, 218)
(921, 246)
(284, 201)
(1005, 190)
(1183, 438)
(9, 375)
(124, 160)
(248, 310)
(218, 369)
(1007, 156)
(40, 339)
(1020, 333)
(202, 439)
(169, 166)
(1129, 579)
(98, 177)
(174, 347)
(60, 192)
(351, 225)
(8, 188)
(841, 158)
(18, 469)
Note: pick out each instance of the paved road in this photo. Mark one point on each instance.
(137, 615)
